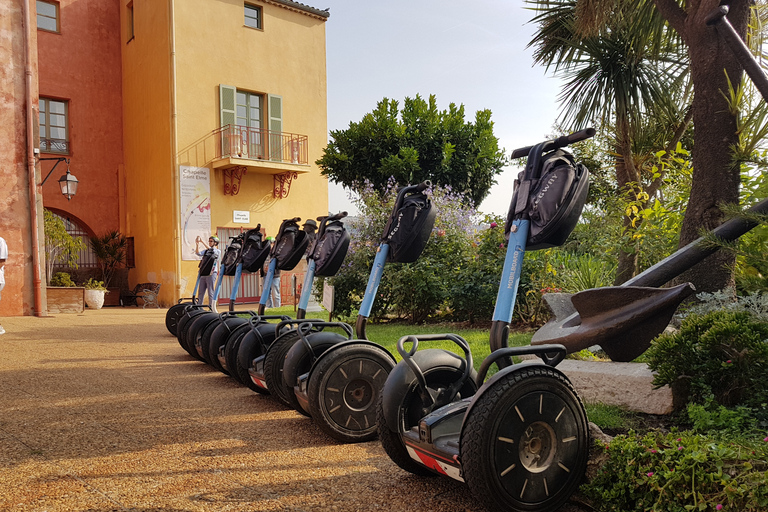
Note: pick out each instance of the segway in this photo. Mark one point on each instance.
(248, 338)
(265, 361)
(339, 383)
(520, 441)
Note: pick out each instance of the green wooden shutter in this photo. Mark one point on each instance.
(275, 112)
(227, 117)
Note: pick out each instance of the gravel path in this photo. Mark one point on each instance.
(105, 411)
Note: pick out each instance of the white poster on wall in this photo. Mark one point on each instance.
(195, 185)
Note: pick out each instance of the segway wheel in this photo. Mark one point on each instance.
(525, 442)
(344, 390)
(172, 317)
(249, 348)
(411, 408)
(273, 367)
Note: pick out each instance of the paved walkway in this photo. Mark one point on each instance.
(105, 411)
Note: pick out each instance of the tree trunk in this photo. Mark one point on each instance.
(716, 178)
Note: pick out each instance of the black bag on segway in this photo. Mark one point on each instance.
(255, 249)
(555, 200)
(290, 245)
(407, 231)
(232, 255)
(330, 249)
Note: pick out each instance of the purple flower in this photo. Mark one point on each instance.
(718, 507)
(493, 225)
(649, 474)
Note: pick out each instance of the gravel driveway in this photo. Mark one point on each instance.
(105, 411)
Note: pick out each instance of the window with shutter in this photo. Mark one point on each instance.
(275, 127)
(227, 120)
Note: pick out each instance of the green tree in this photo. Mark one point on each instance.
(626, 72)
(60, 246)
(415, 144)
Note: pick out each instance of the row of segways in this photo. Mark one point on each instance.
(229, 341)
(519, 440)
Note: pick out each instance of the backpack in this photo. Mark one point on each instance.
(206, 263)
(232, 255)
(555, 200)
(408, 229)
(330, 248)
(255, 249)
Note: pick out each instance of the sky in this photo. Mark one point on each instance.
(470, 53)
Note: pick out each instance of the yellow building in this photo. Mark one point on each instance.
(224, 115)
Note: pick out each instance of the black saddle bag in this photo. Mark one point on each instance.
(255, 250)
(555, 201)
(290, 245)
(232, 255)
(330, 249)
(408, 229)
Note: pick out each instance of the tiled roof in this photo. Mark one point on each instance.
(303, 7)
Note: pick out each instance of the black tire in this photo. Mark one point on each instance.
(203, 339)
(233, 340)
(273, 367)
(194, 327)
(253, 345)
(219, 338)
(525, 442)
(173, 315)
(299, 359)
(186, 338)
(230, 355)
(344, 389)
(182, 323)
(410, 413)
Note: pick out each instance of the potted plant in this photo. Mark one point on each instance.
(63, 295)
(94, 293)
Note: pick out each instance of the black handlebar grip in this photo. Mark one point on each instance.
(423, 186)
(560, 142)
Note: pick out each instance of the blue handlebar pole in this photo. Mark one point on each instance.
(268, 282)
(513, 267)
(306, 288)
(373, 280)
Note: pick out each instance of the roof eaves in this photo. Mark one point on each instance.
(322, 13)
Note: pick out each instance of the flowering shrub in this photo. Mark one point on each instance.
(680, 472)
(416, 290)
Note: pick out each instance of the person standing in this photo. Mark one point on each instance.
(274, 294)
(3, 257)
(209, 268)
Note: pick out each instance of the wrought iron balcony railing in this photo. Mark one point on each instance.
(235, 141)
(59, 146)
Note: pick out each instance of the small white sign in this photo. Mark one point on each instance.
(241, 217)
(328, 296)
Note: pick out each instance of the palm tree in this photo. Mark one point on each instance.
(623, 68)
(109, 249)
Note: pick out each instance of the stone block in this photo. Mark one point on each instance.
(626, 385)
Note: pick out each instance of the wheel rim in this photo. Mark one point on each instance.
(536, 446)
(350, 392)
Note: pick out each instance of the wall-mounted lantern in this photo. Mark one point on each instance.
(67, 183)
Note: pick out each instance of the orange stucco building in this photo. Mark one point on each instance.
(134, 97)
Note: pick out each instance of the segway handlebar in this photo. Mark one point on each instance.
(559, 142)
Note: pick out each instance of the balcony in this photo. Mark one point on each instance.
(261, 151)
(58, 146)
